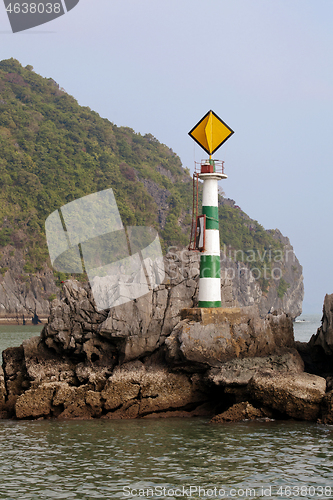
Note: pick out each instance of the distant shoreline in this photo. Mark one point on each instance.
(16, 320)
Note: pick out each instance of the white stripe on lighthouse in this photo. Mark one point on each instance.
(212, 242)
(209, 290)
(210, 193)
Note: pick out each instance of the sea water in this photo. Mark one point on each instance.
(164, 458)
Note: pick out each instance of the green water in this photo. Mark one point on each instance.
(13, 335)
(139, 458)
(170, 459)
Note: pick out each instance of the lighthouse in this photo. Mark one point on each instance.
(210, 133)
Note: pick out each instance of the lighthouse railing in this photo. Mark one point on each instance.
(217, 164)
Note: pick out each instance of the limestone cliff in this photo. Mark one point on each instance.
(24, 296)
(27, 295)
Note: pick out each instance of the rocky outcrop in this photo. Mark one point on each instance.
(324, 335)
(3, 394)
(299, 396)
(158, 356)
(210, 337)
(24, 297)
(239, 372)
(242, 411)
(318, 352)
(327, 409)
(286, 290)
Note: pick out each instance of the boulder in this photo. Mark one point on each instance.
(211, 337)
(324, 335)
(327, 409)
(137, 390)
(76, 402)
(35, 403)
(241, 411)
(44, 365)
(297, 395)
(238, 372)
(59, 399)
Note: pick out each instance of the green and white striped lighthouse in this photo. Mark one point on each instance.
(210, 273)
(210, 133)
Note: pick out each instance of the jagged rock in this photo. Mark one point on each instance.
(123, 385)
(43, 365)
(153, 316)
(241, 411)
(72, 320)
(296, 395)
(15, 373)
(23, 296)
(32, 366)
(59, 399)
(324, 335)
(3, 394)
(146, 357)
(317, 354)
(238, 372)
(35, 402)
(134, 389)
(222, 334)
(76, 402)
(327, 409)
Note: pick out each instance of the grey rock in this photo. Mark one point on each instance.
(35, 402)
(144, 357)
(23, 295)
(3, 391)
(15, 374)
(136, 388)
(242, 411)
(324, 335)
(238, 372)
(43, 366)
(327, 409)
(298, 395)
(224, 334)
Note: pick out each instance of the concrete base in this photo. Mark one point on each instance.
(211, 336)
(213, 315)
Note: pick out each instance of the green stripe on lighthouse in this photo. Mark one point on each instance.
(210, 266)
(212, 217)
(209, 303)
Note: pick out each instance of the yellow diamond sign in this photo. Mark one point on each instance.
(211, 132)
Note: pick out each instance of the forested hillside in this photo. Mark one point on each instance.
(53, 151)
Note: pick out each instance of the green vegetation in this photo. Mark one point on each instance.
(247, 241)
(53, 151)
(282, 288)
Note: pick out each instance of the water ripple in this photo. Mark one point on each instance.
(97, 459)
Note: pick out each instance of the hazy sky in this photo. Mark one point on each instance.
(265, 67)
